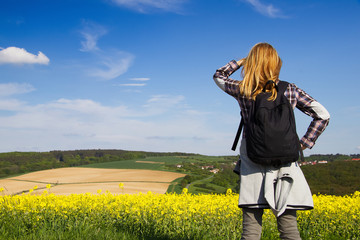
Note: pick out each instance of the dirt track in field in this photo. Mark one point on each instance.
(66, 181)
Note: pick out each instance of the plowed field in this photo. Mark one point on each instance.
(66, 181)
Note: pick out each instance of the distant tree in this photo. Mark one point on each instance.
(59, 156)
(99, 154)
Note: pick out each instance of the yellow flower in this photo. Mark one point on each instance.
(48, 186)
(99, 191)
(174, 214)
(121, 185)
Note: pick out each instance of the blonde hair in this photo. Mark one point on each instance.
(261, 65)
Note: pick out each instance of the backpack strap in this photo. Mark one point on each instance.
(302, 155)
(236, 140)
(282, 86)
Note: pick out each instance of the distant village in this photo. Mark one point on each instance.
(312, 162)
(322, 162)
(211, 168)
(214, 170)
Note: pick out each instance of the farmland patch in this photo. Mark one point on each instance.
(66, 181)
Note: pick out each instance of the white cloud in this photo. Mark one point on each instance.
(266, 10)
(132, 84)
(159, 104)
(139, 79)
(8, 89)
(112, 65)
(11, 105)
(91, 33)
(14, 55)
(145, 6)
(165, 99)
(358, 147)
(162, 124)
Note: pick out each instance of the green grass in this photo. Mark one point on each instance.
(205, 186)
(175, 187)
(51, 231)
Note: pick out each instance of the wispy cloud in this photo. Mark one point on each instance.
(132, 84)
(91, 33)
(142, 84)
(265, 9)
(112, 65)
(144, 6)
(158, 104)
(15, 55)
(8, 89)
(139, 79)
(7, 93)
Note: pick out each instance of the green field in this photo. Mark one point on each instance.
(205, 186)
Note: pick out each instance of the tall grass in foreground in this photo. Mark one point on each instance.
(162, 216)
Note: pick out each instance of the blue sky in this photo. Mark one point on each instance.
(137, 74)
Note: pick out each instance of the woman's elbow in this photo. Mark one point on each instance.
(320, 110)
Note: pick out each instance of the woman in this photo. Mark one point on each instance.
(283, 189)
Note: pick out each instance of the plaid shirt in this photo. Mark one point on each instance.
(296, 96)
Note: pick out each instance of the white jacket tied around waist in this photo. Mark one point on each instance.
(269, 187)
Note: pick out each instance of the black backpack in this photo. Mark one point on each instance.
(270, 134)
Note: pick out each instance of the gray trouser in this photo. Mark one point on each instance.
(252, 224)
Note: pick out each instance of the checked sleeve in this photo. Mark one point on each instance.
(319, 114)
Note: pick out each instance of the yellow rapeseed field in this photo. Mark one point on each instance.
(173, 216)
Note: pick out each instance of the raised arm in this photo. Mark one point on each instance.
(318, 112)
(222, 80)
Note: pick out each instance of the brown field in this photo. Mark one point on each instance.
(66, 181)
